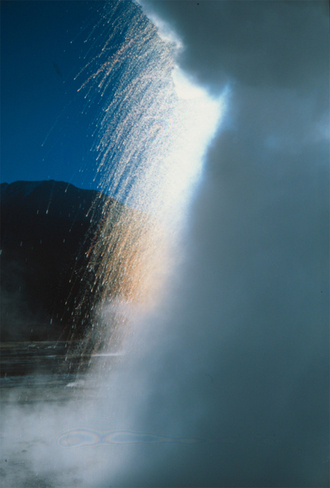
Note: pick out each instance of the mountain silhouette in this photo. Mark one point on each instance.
(47, 228)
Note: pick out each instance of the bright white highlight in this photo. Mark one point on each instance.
(184, 87)
(198, 117)
(186, 126)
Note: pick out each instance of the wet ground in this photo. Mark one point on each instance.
(47, 371)
(39, 383)
(61, 428)
(30, 358)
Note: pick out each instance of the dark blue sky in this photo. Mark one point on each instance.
(44, 134)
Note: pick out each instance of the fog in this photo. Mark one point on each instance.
(230, 374)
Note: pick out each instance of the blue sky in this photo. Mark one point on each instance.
(44, 135)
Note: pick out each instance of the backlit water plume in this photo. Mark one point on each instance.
(151, 132)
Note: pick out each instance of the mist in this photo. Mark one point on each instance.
(226, 382)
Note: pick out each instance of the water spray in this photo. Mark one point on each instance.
(150, 136)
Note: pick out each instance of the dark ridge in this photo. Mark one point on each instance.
(47, 228)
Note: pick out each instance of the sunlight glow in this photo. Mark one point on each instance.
(198, 120)
(184, 87)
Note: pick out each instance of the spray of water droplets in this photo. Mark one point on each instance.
(148, 142)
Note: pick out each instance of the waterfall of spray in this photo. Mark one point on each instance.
(150, 136)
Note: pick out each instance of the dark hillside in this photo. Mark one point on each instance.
(46, 229)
